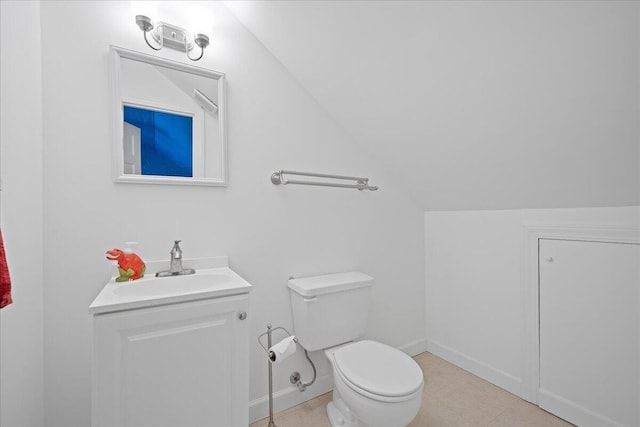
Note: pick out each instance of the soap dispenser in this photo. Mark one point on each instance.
(130, 265)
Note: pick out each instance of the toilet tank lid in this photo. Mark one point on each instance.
(318, 285)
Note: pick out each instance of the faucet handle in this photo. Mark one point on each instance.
(176, 250)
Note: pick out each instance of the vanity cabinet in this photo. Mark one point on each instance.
(178, 364)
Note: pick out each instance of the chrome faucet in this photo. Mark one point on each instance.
(175, 265)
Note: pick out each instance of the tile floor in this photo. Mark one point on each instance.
(452, 397)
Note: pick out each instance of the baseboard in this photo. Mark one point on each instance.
(288, 398)
(489, 373)
(416, 347)
(572, 412)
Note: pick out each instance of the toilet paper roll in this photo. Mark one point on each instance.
(282, 350)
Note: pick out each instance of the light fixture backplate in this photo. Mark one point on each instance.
(173, 37)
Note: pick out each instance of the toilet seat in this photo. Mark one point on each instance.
(378, 371)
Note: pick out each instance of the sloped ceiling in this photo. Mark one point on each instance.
(475, 105)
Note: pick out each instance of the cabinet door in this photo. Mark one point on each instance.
(174, 365)
(589, 332)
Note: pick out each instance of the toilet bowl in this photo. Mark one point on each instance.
(374, 386)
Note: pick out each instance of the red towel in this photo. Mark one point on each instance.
(5, 279)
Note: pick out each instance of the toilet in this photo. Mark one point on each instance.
(375, 385)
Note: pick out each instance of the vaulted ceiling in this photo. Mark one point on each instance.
(474, 105)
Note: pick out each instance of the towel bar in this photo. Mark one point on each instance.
(361, 183)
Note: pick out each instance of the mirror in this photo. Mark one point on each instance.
(168, 121)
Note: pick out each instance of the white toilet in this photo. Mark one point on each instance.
(375, 385)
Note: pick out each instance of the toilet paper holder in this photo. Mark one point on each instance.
(269, 335)
(295, 377)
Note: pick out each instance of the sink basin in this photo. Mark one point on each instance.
(151, 291)
(162, 286)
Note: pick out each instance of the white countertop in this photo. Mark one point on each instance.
(217, 281)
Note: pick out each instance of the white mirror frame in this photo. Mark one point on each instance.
(117, 53)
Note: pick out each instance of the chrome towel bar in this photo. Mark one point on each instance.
(360, 183)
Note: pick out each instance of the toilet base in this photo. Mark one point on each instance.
(364, 412)
(337, 418)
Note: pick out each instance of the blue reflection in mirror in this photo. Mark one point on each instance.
(157, 143)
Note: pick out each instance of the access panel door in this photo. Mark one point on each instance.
(589, 332)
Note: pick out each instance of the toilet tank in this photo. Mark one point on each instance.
(331, 309)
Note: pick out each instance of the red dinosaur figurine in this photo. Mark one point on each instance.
(130, 266)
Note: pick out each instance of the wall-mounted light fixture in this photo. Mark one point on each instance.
(169, 35)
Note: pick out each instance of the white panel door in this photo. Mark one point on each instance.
(590, 332)
(175, 365)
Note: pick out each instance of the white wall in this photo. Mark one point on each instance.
(474, 284)
(21, 398)
(269, 232)
(486, 104)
